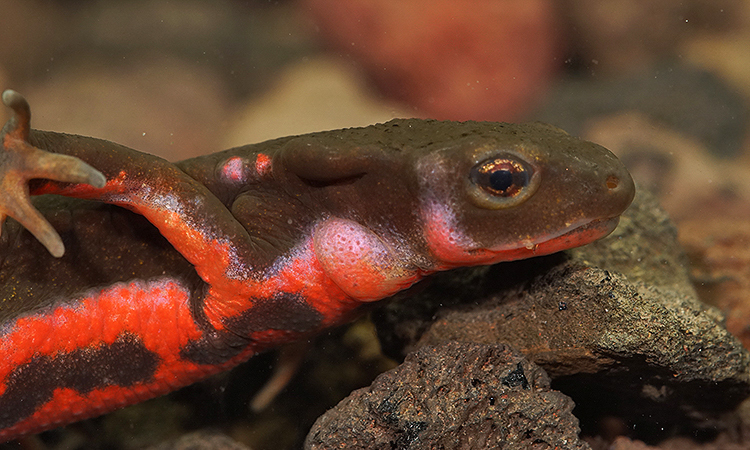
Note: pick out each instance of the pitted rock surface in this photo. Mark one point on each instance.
(453, 396)
(616, 324)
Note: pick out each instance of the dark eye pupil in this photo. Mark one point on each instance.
(501, 180)
(501, 176)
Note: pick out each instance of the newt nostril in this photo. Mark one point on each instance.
(612, 182)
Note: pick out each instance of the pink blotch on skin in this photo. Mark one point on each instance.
(450, 246)
(234, 170)
(263, 164)
(359, 262)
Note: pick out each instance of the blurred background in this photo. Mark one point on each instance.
(665, 85)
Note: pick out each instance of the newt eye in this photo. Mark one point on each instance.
(501, 176)
(501, 181)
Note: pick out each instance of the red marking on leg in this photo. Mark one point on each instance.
(215, 257)
(84, 191)
(220, 265)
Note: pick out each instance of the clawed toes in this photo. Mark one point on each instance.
(20, 162)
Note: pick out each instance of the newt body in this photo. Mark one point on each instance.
(173, 272)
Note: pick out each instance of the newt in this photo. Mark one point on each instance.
(128, 276)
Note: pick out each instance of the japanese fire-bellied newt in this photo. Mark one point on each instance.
(158, 274)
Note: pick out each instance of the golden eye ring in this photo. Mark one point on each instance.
(501, 181)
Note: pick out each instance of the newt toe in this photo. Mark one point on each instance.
(20, 161)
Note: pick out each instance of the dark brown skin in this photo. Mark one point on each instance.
(187, 269)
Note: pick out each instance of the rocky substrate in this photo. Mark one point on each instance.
(615, 325)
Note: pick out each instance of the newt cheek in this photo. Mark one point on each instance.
(362, 264)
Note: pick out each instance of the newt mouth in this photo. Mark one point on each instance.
(578, 236)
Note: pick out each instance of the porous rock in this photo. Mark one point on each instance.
(616, 324)
(202, 440)
(685, 174)
(453, 396)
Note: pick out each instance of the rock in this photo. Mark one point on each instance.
(162, 105)
(726, 54)
(720, 265)
(202, 440)
(616, 324)
(453, 396)
(244, 43)
(679, 443)
(158, 76)
(30, 34)
(483, 60)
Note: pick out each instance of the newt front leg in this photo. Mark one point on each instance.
(176, 271)
(107, 345)
(20, 162)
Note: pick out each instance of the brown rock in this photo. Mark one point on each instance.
(679, 443)
(162, 105)
(30, 34)
(616, 324)
(201, 440)
(453, 396)
(313, 95)
(713, 114)
(727, 54)
(720, 264)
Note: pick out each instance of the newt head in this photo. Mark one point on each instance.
(406, 198)
(517, 191)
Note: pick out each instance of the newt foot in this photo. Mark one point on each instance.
(20, 162)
